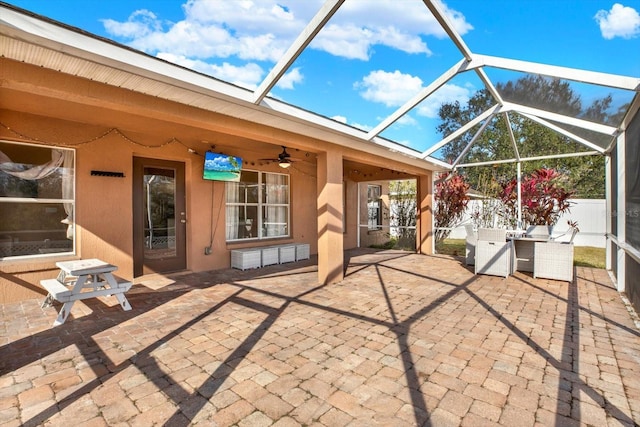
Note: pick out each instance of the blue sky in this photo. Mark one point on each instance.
(372, 56)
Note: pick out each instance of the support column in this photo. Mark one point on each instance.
(609, 209)
(621, 210)
(330, 200)
(519, 226)
(424, 217)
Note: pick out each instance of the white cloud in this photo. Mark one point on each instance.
(215, 37)
(248, 76)
(407, 120)
(394, 89)
(620, 21)
(400, 25)
(355, 42)
(262, 30)
(408, 16)
(140, 23)
(365, 128)
(391, 89)
(446, 94)
(343, 119)
(290, 79)
(259, 30)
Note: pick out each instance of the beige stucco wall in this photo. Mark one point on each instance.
(109, 126)
(104, 221)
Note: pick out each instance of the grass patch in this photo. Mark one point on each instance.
(583, 256)
(454, 247)
(407, 244)
(391, 244)
(588, 256)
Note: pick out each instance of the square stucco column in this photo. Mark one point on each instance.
(330, 238)
(424, 223)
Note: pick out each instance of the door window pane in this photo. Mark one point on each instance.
(160, 216)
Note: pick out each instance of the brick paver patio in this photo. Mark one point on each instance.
(404, 340)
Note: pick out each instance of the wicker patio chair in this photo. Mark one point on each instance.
(494, 255)
(553, 260)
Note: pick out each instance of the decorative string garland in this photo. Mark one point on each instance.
(94, 139)
(119, 133)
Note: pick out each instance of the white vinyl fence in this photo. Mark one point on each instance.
(590, 214)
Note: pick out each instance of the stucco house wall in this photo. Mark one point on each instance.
(108, 127)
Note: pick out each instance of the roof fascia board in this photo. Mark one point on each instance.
(595, 127)
(461, 66)
(447, 26)
(493, 110)
(84, 46)
(328, 9)
(566, 133)
(530, 159)
(574, 74)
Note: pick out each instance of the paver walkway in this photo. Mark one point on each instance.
(404, 340)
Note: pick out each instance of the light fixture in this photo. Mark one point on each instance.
(284, 163)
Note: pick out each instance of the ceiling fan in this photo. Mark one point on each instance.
(284, 159)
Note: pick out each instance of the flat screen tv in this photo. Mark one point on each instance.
(221, 167)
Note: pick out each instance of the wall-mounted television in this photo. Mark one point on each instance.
(221, 167)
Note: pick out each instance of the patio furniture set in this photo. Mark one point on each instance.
(500, 252)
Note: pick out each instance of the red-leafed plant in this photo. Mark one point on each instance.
(544, 199)
(450, 203)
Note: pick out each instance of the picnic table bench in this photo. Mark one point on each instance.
(82, 279)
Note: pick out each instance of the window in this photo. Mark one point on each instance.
(37, 200)
(258, 206)
(374, 207)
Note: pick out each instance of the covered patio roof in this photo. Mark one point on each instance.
(37, 40)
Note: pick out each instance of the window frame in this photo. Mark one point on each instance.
(45, 201)
(260, 206)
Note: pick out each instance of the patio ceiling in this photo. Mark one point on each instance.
(37, 40)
